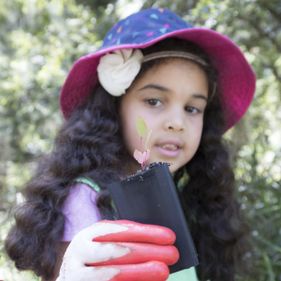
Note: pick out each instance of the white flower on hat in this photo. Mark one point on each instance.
(117, 70)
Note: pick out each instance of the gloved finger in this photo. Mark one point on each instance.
(88, 274)
(140, 253)
(138, 232)
(95, 252)
(100, 228)
(153, 270)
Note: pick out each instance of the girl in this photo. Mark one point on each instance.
(189, 85)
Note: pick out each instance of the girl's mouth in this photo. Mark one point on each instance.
(170, 150)
(170, 146)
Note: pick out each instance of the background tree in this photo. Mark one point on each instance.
(39, 40)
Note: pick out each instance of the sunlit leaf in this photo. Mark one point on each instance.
(141, 127)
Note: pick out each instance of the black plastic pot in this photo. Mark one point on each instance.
(150, 196)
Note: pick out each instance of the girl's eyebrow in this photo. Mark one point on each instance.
(154, 86)
(199, 96)
(164, 89)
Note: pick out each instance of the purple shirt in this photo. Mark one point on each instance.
(80, 210)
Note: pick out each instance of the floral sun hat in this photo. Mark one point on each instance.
(236, 79)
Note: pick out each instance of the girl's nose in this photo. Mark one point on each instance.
(174, 122)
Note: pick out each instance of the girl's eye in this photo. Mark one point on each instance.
(153, 102)
(192, 109)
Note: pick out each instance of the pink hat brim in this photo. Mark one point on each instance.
(236, 79)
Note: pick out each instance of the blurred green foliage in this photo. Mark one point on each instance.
(39, 41)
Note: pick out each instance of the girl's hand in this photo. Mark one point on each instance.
(119, 251)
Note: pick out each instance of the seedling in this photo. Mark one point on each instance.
(145, 134)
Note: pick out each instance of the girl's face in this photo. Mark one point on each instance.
(171, 98)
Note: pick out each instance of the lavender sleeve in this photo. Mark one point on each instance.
(80, 210)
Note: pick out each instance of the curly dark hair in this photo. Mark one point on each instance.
(90, 144)
(218, 227)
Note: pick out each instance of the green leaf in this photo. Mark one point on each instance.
(141, 127)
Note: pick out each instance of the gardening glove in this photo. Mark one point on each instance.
(119, 251)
